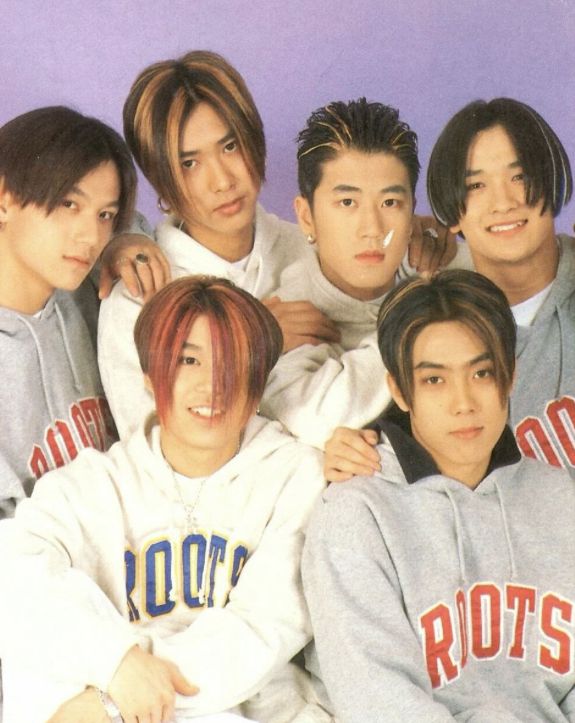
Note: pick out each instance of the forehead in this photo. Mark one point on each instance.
(448, 343)
(489, 147)
(203, 127)
(200, 335)
(101, 183)
(369, 171)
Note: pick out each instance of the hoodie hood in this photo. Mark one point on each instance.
(186, 254)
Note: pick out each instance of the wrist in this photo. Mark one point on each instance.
(112, 710)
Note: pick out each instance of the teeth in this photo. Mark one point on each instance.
(506, 226)
(202, 411)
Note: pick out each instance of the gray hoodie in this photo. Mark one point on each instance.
(51, 396)
(542, 408)
(434, 602)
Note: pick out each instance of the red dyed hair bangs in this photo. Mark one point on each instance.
(246, 339)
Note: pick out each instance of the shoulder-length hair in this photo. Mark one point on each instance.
(246, 339)
(160, 102)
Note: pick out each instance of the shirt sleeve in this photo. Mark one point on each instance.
(314, 389)
(122, 378)
(369, 655)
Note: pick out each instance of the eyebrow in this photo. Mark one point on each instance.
(471, 172)
(344, 188)
(78, 192)
(222, 142)
(486, 356)
(193, 347)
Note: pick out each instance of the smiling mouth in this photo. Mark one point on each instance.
(205, 412)
(503, 227)
(78, 260)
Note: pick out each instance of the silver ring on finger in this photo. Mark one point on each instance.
(431, 233)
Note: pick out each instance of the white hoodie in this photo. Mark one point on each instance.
(101, 558)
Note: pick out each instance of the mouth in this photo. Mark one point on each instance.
(80, 260)
(466, 433)
(206, 412)
(506, 227)
(370, 257)
(231, 208)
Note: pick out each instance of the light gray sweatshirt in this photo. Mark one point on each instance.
(51, 396)
(542, 408)
(434, 602)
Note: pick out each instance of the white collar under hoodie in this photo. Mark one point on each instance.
(446, 603)
(542, 410)
(277, 244)
(221, 598)
(51, 396)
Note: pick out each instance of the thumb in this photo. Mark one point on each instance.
(181, 684)
(105, 283)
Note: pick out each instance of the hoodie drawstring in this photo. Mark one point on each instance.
(459, 536)
(69, 354)
(45, 381)
(513, 569)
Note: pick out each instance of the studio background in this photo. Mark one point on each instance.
(426, 57)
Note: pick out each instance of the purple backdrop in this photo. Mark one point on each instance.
(426, 57)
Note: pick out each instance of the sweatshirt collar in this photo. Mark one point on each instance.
(416, 463)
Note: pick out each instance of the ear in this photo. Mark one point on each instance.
(304, 215)
(396, 395)
(6, 201)
(455, 229)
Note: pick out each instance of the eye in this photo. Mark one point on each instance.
(107, 215)
(433, 380)
(391, 202)
(486, 373)
(189, 163)
(187, 361)
(519, 177)
(68, 203)
(474, 186)
(347, 202)
(231, 146)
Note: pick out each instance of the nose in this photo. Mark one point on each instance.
(221, 178)
(371, 224)
(91, 231)
(505, 197)
(462, 398)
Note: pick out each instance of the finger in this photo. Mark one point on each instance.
(106, 283)
(415, 244)
(182, 685)
(145, 279)
(129, 277)
(334, 475)
(168, 712)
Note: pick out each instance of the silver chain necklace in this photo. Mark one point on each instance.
(188, 507)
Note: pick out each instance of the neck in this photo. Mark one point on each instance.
(231, 247)
(19, 291)
(197, 461)
(523, 279)
(470, 475)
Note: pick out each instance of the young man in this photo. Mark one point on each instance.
(357, 171)
(498, 175)
(180, 547)
(66, 183)
(430, 580)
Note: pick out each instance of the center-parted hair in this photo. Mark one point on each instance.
(44, 153)
(539, 151)
(160, 102)
(356, 125)
(246, 339)
(454, 295)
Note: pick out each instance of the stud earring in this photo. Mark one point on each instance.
(161, 206)
(310, 239)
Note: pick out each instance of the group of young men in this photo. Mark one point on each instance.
(440, 582)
